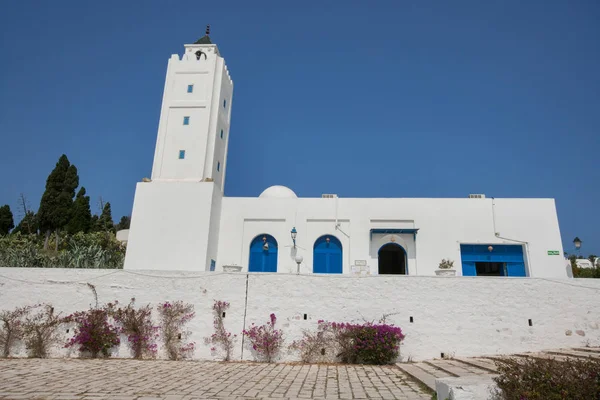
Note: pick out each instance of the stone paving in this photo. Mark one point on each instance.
(187, 380)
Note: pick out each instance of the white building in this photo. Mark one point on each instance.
(182, 221)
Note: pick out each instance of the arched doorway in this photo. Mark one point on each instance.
(392, 259)
(327, 255)
(263, 254)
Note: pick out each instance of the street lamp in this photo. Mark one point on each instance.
(293, 233)
(577, 243)
(299, 260)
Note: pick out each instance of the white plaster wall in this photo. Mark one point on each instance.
(443, 225)
(460, 316)
(170, 226)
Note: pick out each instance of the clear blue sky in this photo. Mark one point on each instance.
(363, 99)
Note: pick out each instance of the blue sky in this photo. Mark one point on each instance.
(363, 99)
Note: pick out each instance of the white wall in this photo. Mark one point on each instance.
(460, 316)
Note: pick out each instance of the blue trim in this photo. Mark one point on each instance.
(181, 154)
(212, 265)
(327, 256)
(190, 88)
(186, 120)
(390, 231)
(262, 260)
(511, 255)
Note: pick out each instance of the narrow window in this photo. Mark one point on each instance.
(190, 89)
(221, 133)
(186, 120)
(218, 166)
(181, 154)
(225, 103)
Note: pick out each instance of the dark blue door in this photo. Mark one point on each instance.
(327, 255)
(507, 260)
(263, 254)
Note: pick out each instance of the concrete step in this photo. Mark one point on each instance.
(545, 356)
(573, 353)
(588, 349)
(424, 376)
(454, 367)
(484, 364)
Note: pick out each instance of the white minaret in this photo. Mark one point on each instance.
(193, 131)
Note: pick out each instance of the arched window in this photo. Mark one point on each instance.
(327, 255)
(392, 259)
(263, 254)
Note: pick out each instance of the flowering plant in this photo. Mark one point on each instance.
(11, 328)
(446, 264)
(221, 337)
(136, 323)
(173, 317)
(93, 333)
(40, 330)
(265, 340)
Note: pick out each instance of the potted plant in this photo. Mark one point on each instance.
(445, 268)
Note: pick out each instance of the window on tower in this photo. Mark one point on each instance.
(218, 166)
(181, 154)
(221, 133)
(190, 89)
(225, 103)
(186, 120)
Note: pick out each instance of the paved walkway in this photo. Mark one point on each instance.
(187, 380)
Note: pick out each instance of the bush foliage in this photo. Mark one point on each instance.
(94, 334)
(173, 318)
(82, 250)
(136, 323)
(265, 340)
(548, 379)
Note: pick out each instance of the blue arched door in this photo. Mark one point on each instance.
(263, 254)
(327, 255)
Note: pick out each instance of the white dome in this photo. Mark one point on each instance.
(278, 192)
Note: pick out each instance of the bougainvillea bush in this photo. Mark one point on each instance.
(366, 343)
(265, 340)
(136, 323)
(11, 328)
(40, 330)
(173, 318)
(221, 338)
(528, 378)
(93, 334)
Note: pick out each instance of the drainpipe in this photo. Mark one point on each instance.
(497, 234)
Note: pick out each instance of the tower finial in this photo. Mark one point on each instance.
(207, 29)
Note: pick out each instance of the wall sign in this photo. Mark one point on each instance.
(360, 263)
(553, 253)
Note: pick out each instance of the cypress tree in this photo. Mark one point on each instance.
(123, 223)
(105, 222)
(28, 224)
(57, 201)
(94, 225)
(6, 220)
(81, 217)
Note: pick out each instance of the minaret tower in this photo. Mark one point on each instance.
(193, 131)
(176, 215)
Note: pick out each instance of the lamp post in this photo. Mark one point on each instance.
(577, 242)
(299, 260)
(294, 233)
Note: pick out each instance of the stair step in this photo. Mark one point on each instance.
(451, 368)
(482, 363)
(572, 353)
(425, 377)
(588, 349)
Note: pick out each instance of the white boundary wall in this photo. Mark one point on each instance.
(461, 316)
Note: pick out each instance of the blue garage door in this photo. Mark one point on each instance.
(327, 255)
(506, 259)
(263, 254)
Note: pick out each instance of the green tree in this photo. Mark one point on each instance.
(28, 224)
(105, 222)
(124, 223)
(6, 220)
(57, 201)
(94, 224)
(81, 216)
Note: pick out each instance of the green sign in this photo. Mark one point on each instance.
(553, 253)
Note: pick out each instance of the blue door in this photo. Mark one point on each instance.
(492, 260)
(327, 255)
(263, 254)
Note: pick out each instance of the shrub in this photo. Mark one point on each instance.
(446, 264)
(265, 340)
(221, 337)
(136, 323)
(173, 317)
(40, 330)
(11, 328)
(351, 343)
(94, 333)
(547, 379)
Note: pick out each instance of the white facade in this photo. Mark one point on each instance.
(182, 221)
